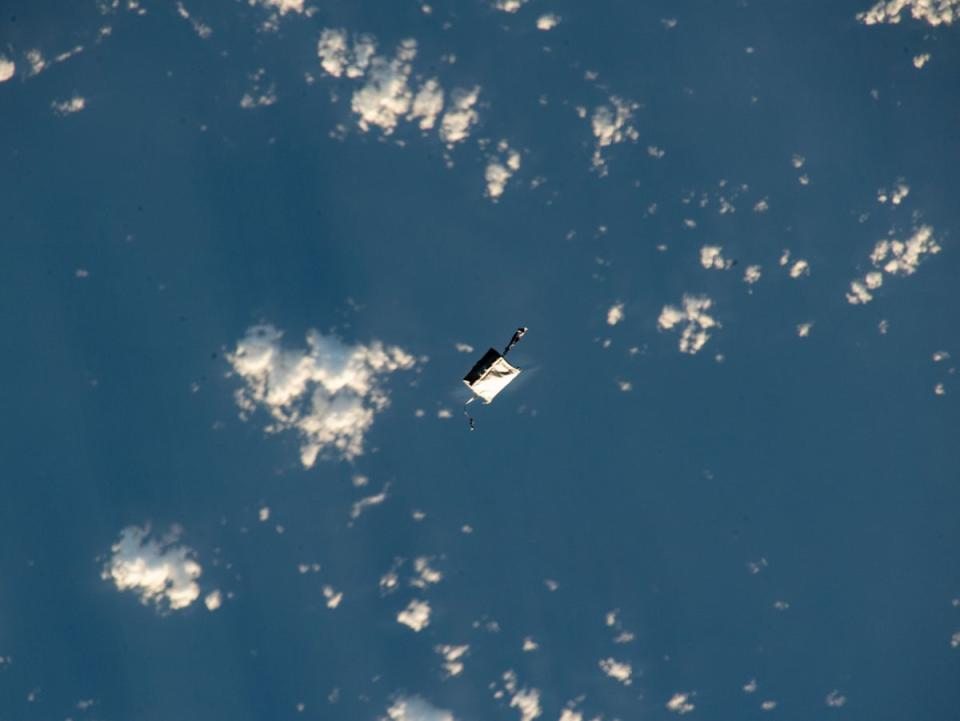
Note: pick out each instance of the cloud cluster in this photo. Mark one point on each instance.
(611, 125)
(525, 700)
(416, 615)
(680, 703)
(500, 168)
(414, 708)
(69, 107)
(618, 670)
(390, 93)
(896, 196)
(328, 393)
(157, 570)
(615, 314)
(695, 320)
(893, 257)
(452, 657)
(934, 12)
(711, 256)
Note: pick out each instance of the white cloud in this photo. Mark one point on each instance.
(655, 152)
(797, 161)
(896, 196)
(333, 597)
(750, 686)
(695, 320)
(610, 127)
(202, 30)
(213, 600)
(414, 708)
(619, 670)
(69, 107)
(426, 575)
(364, 503)
(7, 69)
(934, 12)
(615, 314)
(427, 104)
(452, 657)
(509, 6)
(529, 644)
(463, 348)
(800, 267)
(568, 714)
(835, 699)
(752, 274)
(894, 257)
(548, 21)
(416, 615)
(261, 93)
(761, 206)
(920, 60)
(36, 61)
(955, 640)
(156, 570)
(281, 6)
(803, 329)
(460, 117)
(329, 393)
(768, 705)
(940, 355)
(526, 700)
(500, 169)
(336, 57)
(711, 256)
(680, 703)
(386, 96)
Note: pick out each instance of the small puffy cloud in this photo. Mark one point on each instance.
(69, 107)
(896, 196)
(463, 348)
(711, 256)
(803, 329)
(328, 393)
(940, 355)
(893, 257)
(548, 21)
(500, 169)
(618, 670)
(261, 93)
(611, 125)
(157, 570)
(933, 12)
(800, 267)
(655, 152)
(509, 6)
(414, 708)
(337, 58)
(452, 657)
(7, 68)
(750, 686)
(752, 274)
(525, 700)
(680, 703)
(761, 206)
(416, 615)
(36, 61)
(797, 161)
(615, 314)
(213, 600)
(202, 30)
(920, 60)
(426, 575)
(460, 117)
(281, 6)
(333, 597)
(529, 644)
(386, 95)
(768, 705)
(835, 699)
(694, 319)
(427, 104)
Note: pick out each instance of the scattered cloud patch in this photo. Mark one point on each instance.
(920, 60)
(7, 68)
(414, 708)
(464, 348)
(525, 700)
(615, 314)
(452, 658)
(328, 393)
(800, 267)
(500, 169)
(768, 705)
(202, 30)
(933, 12)
(213, 600)
(333, 597)
(611, 126)
(694, 319)
(711, 256)
(618, 670)
(70, 106)
(509, 6)
(835, 699)
(367, 502)
(460, 117)
(750, 686)
(896, 195)
(426, 576)
(803, 329)
(416, 615)
(261, 93)
(548, 21)
(893, 257)
(752, 274)
(680, 703)
(158, 571)
(338, 59)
